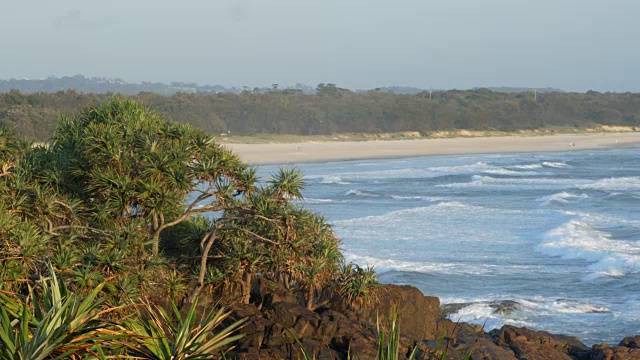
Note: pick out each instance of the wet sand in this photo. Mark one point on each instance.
(291, 153)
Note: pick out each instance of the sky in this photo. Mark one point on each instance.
(575, 45)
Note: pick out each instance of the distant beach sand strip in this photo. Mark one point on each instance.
(308, 152)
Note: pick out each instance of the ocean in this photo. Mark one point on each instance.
(550, 241)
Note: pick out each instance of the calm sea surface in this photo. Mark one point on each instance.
(550, 241)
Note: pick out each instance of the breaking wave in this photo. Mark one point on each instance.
(527, 166)
(628, 183)
(557, 165)
(520, 312)
(577, 239)
(355, 192)
(385, 265)
(507, 172)
(328, 179)
(317, 201)
(480, 180)
(463, 169)
(562, 197)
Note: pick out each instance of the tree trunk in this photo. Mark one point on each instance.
(246, 287)
(205, 247)
(155, 237)
(310, 298)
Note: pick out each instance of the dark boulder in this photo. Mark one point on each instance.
(627, 349)
(462, 338)
(264, 293)
(418, 314)
(279, 327)
(531, 345)
(632, 342)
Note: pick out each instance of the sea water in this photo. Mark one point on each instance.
(550, 241)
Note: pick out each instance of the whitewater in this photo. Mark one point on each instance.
(550, 241)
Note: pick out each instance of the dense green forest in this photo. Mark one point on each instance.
(335, 110)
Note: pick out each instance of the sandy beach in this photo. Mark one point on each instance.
(291, 153)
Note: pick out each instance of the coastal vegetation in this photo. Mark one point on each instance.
(333, 110)
(112, 233)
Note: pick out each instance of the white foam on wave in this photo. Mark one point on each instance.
(481, 167)
(369, 176)
(484, 312)
(522, 312)
(602, 220)
(402, 215)
(507, 172)
(356, 192)
(316, 201)
(389, 173)
(574, 307)
(328, 179)
(463, 169)
(628, 183)
(527, 166)
(556, 164)
(474, 312)
(385, 265)
(423, 198)
(577, 239)
(417, 173)
(481, 180)
(562, 197)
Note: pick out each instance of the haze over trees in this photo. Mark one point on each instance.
(336, 110)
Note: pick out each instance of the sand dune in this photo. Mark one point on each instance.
(305, 152)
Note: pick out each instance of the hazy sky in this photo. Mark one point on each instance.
(569, 44)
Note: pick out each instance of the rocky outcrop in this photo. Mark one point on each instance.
(532, 345)
(418, 314)
(279, 327)
(627, 349)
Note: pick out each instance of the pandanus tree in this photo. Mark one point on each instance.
(268, 233)
(128, 165)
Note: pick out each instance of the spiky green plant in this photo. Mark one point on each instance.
(12, 146)
(175, 285)
(358, 285)
(159, 335)
(389, 340)
(54, 324)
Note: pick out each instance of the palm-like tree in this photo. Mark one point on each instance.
(287, 183)
(125, 162)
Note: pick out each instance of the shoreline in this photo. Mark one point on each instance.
(317, 152)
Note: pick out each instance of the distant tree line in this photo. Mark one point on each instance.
(101, 85)
(335, 110)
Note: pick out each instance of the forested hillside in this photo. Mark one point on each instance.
(335, 110)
